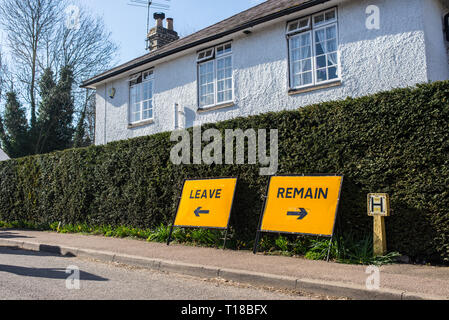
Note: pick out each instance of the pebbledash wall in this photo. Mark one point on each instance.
(409, 48)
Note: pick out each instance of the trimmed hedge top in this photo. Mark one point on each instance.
(395, 142)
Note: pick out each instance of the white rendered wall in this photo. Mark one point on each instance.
(436, 45)
(3, 156)
(371, 61)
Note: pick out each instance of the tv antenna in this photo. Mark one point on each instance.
(149, 5)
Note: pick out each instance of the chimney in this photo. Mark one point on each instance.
(160, 36)
(170, 24)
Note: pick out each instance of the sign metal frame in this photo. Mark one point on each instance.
(259, 228)
(201, 227)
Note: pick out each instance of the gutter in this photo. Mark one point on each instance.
(250, 24)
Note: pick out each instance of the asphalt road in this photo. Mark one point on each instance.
(26, 275)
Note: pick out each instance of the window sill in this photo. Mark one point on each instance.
(216, 107)
(335, 83)
(140, 124)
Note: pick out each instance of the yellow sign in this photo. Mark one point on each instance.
(302, 204)
(206, 203)
(378, 204)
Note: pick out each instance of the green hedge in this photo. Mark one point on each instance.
(395, 142)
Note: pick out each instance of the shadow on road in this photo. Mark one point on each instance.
(49, 273)
(45, 251)
(12, 235)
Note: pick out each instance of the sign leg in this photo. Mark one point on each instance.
(256, 243)
(169, 235)
(225, 238)
(329, 250)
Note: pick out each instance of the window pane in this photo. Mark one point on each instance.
(318, 19)
(321, 75)
(220, 86)
(331, 32)
(331, 45)
(295, 55)
(228, 95)
(145, 91)
(333, 74)
(319, 49)
(304, 23)
(136, 117)
(305, 40)
(321, 62)
(294, 43)
(296, 80)
(296, 67)
(210, 67)
(293, 26)
(331, 59)
(228, 84)
(209, 78)
(220, 97)
(228, 62)
(220, 64)
(319, 35)
(306, 65)
(307, 78)
(330, 15)
(210, 88)
(210, 99)
(306, 52)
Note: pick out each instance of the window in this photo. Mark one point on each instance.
(141, 97)
(313, 49)
(215, 79)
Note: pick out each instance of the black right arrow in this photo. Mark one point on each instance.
(300, 214)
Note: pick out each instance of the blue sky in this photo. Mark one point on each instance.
(128, 23)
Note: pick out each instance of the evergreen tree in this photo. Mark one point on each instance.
(55, 112)
(14, 128)
(47, 113)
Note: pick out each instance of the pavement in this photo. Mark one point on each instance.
(396, 281)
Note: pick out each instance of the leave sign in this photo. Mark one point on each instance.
(206, 203)
(302, 205)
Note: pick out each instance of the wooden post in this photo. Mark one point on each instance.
(379, 208)
(379, 236)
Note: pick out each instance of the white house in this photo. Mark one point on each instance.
(3, 156)
(279, 55)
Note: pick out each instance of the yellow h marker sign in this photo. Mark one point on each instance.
(379, 208)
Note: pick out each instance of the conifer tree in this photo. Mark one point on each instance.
(14, 128)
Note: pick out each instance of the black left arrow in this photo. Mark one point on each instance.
(301, 214)
(198, 211)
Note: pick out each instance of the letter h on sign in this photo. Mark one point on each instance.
(378, 204)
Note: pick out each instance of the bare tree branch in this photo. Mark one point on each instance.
(26, 23)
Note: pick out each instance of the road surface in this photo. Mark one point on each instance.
(26, 275)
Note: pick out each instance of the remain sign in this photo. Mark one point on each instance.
(301, 205)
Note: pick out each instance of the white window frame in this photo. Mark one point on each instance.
(312, 29)
(138, 81)
(215, 57)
